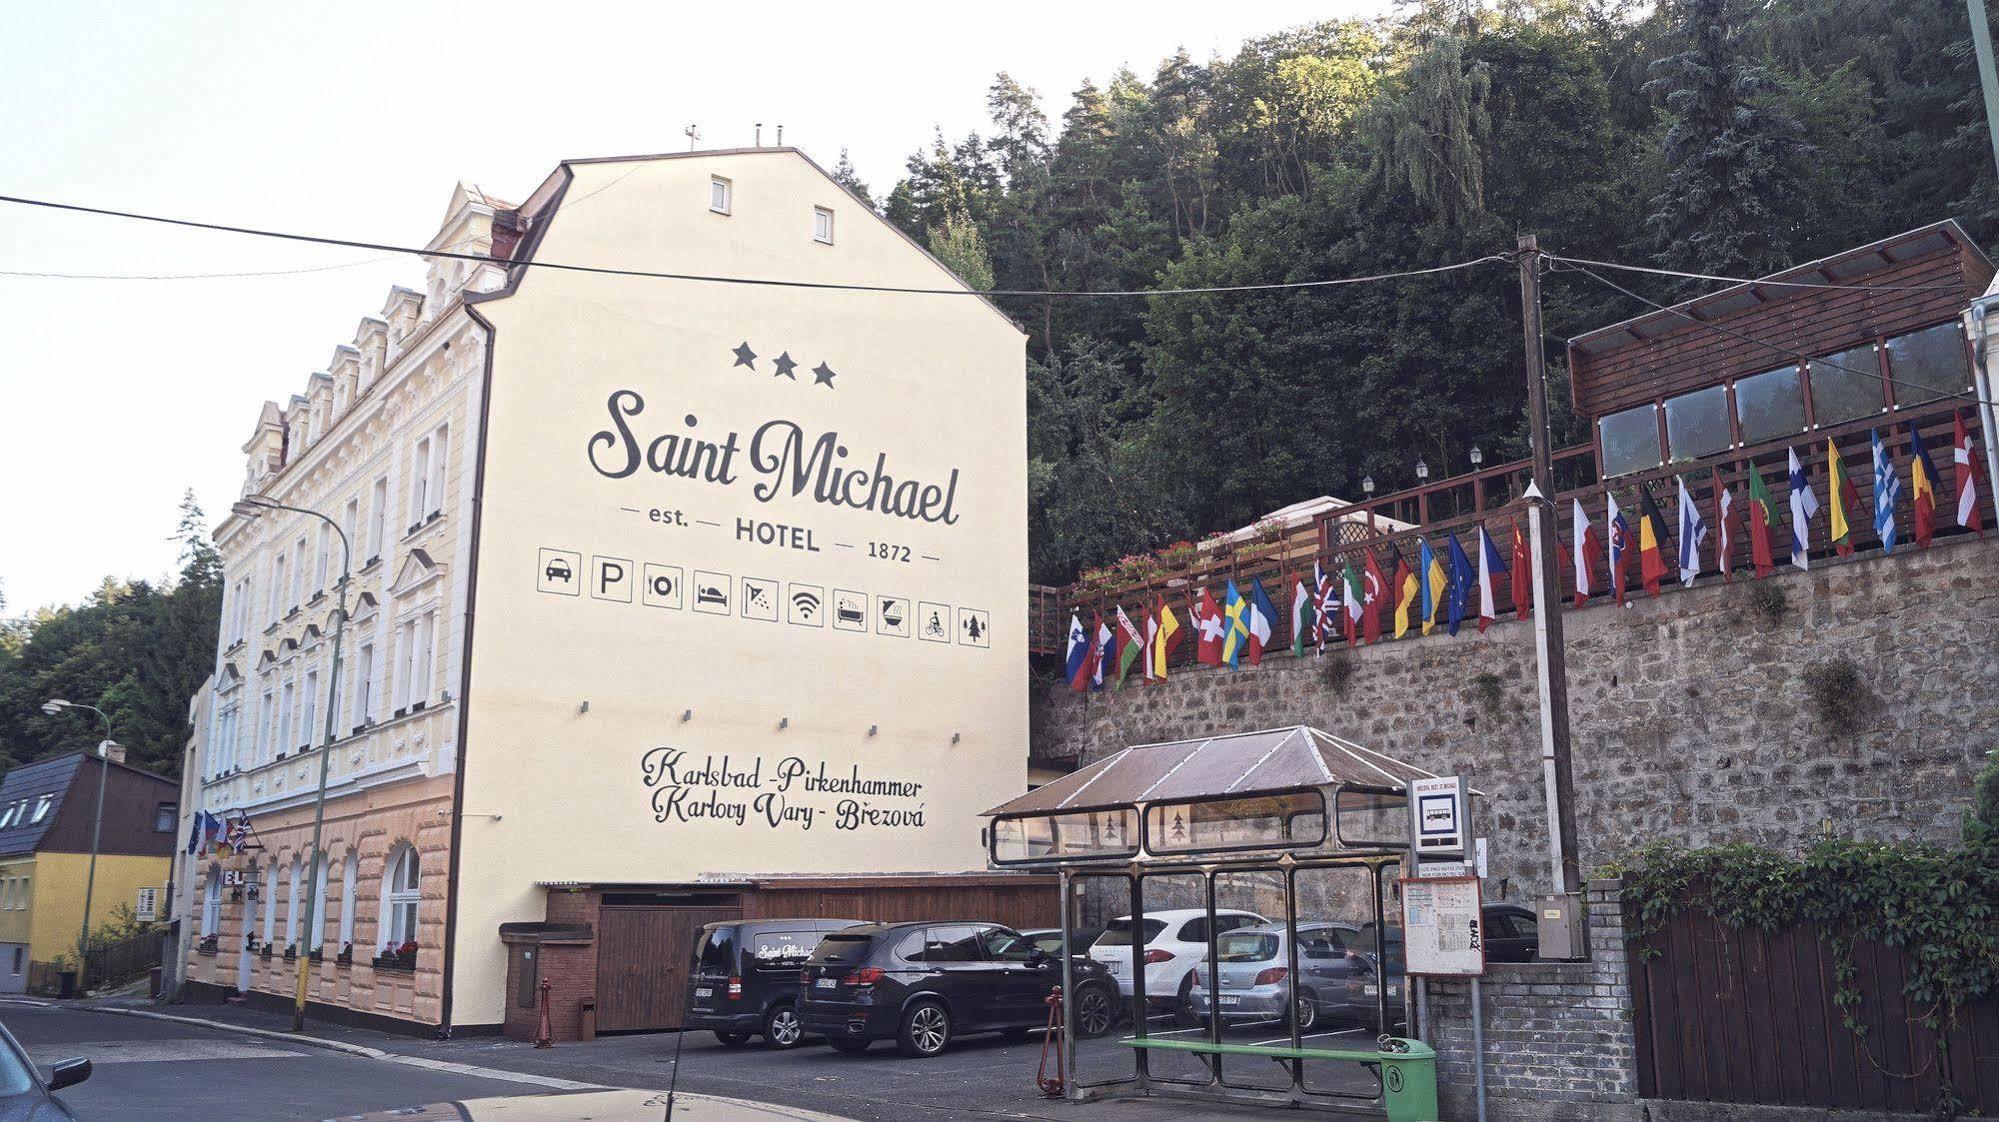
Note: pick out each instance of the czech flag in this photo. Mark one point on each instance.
(1922, 488)
(1489, 566)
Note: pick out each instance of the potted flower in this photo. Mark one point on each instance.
(210, 944)
(346, 955)
(265, 952)
(397, 957)
(291, 952)
(1179, 555)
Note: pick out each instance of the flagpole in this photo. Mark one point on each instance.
(1553, 670)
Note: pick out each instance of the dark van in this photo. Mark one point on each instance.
(745, 978)
(923, 984)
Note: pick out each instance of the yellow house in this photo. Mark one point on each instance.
(48, 810)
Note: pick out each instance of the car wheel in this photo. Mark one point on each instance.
(852, 1046)
(1095, 1012)
(782, 1028)
(1306, 1011)
(733, 1039)
(1183, 1010)
(926, 1030)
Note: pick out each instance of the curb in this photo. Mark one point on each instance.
(357, 1050)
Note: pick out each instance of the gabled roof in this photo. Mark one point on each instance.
(1267, 760)
(28, 784)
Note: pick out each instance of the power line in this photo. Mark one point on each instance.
(316, 239)
(1788, 352)
(1757, 280)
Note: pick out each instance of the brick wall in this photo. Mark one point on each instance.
(1691, 714)
(1559, 1041)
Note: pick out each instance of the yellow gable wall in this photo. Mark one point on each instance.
(57, 909)
(629, 791)
(17, 884)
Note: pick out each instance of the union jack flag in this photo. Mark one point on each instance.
(1330, 611)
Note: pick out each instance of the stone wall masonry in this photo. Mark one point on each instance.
(1559, 1038)
(1693, 716)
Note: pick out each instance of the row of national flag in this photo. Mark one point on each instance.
(1447, 586)
(216, 835)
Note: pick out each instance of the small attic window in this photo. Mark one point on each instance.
(42, 807)
(822, 225)
(720, 194)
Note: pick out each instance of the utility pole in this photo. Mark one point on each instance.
(1988, 80)
(1553, 668)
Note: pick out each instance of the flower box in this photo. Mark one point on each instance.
(291, 953)
(402, 958)
(346, 955)
(210, 944)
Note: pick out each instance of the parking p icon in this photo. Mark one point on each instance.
(611, 579)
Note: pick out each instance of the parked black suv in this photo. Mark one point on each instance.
(923, 984)
(744, 981)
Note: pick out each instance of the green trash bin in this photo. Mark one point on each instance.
(1408, 1080)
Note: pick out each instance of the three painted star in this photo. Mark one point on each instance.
(785, 365)
(745, 356)
(822, 375)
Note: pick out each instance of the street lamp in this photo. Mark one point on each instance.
(251, 507)
(1477, 457)
(1422, 469)
(52, 707)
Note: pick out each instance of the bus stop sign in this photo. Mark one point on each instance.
(1438, 812)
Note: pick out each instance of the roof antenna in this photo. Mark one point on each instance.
(760, 134)
(693, 134)
(780, 136)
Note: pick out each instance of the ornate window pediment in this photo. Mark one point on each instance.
(417, 573)
(267, 659)
(229, 678)
(364, 608)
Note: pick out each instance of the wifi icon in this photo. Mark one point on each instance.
(807, 602)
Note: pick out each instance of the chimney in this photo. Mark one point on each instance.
(780, 136)
(115, 752)
(760, 134)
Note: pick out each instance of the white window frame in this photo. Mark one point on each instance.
(316, 938)
(440, 460)
(278, 586)
(378, 518)
(309, 705)
(364, 685)
(325, 557)
(822, 225)
(420, 480)
(721, 195)
(298, 572)
(296, 874)
(267, 730)
(287, 696)
(211, 901)
(400, 900)
(270, 901)
(350, 872)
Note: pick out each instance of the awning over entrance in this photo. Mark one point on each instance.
(1272, 759)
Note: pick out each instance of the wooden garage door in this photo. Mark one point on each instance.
(643, 954)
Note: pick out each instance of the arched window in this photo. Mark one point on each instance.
(318, 933)
(400, 896)
(292, 902)
(350, 871)
(211, 901)
(271, 902)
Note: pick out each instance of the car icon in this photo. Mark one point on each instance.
(558, 569)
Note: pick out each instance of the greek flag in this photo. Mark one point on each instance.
(1887, 489)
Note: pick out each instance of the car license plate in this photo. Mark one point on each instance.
(1395, 991)
(704, 991)
(1371, 991)
(1231, 999)
(827, 983)
(1116, 966)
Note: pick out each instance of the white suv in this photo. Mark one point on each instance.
(1175, 941)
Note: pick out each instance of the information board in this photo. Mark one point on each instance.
(1443, 929)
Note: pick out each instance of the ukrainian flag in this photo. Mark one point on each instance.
(1431, 583)
(1235, 636)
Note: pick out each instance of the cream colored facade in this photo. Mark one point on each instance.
(381, 443)
(746, 572)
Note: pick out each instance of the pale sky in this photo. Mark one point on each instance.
(355, 120)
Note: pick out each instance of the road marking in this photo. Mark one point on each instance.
(1308, 1036)
(155, 1051)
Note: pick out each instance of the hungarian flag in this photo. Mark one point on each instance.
(1804, 507)
(1077, 664)
(1844, 497)
(1208, 629)
(1354, 600)
(1164, 640)
(1762, 519)
(1588, 553)
(1235, 626)
(1724, 528)
(1620, 548)
(1131, 640)
(1303, 613)
(1970, 473)
(1262, 621)
(1489, 566)
(1651, 541)
(1406, 587)
(1374, 596)
(1887, 492)
(1922, 488)
(1432, 584)
(1523, 573)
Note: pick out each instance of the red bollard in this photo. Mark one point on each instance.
(544, 1033)
(1052, 1088)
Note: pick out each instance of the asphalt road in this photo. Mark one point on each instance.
(167, 1072)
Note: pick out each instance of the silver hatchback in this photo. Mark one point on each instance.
(1254, 966)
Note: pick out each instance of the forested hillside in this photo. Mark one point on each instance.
(1702, 135)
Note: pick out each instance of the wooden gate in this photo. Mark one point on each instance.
(1743, 1017)
(643, 952)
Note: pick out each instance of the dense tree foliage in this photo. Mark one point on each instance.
(1716, 136)
(133, 649)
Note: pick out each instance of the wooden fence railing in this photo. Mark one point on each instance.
(1492, 497)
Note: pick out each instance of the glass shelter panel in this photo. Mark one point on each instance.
(1174, 924)
(1101, 903)
(1847, 386)
(1372, 819)
(1248, 983)
(1341, 990)
(1071, 834)
(1630, 440)
(1697, 423)
(1293, 820)
(1928, 364)
(1770, 405)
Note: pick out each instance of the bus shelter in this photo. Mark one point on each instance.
(1244, 886)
